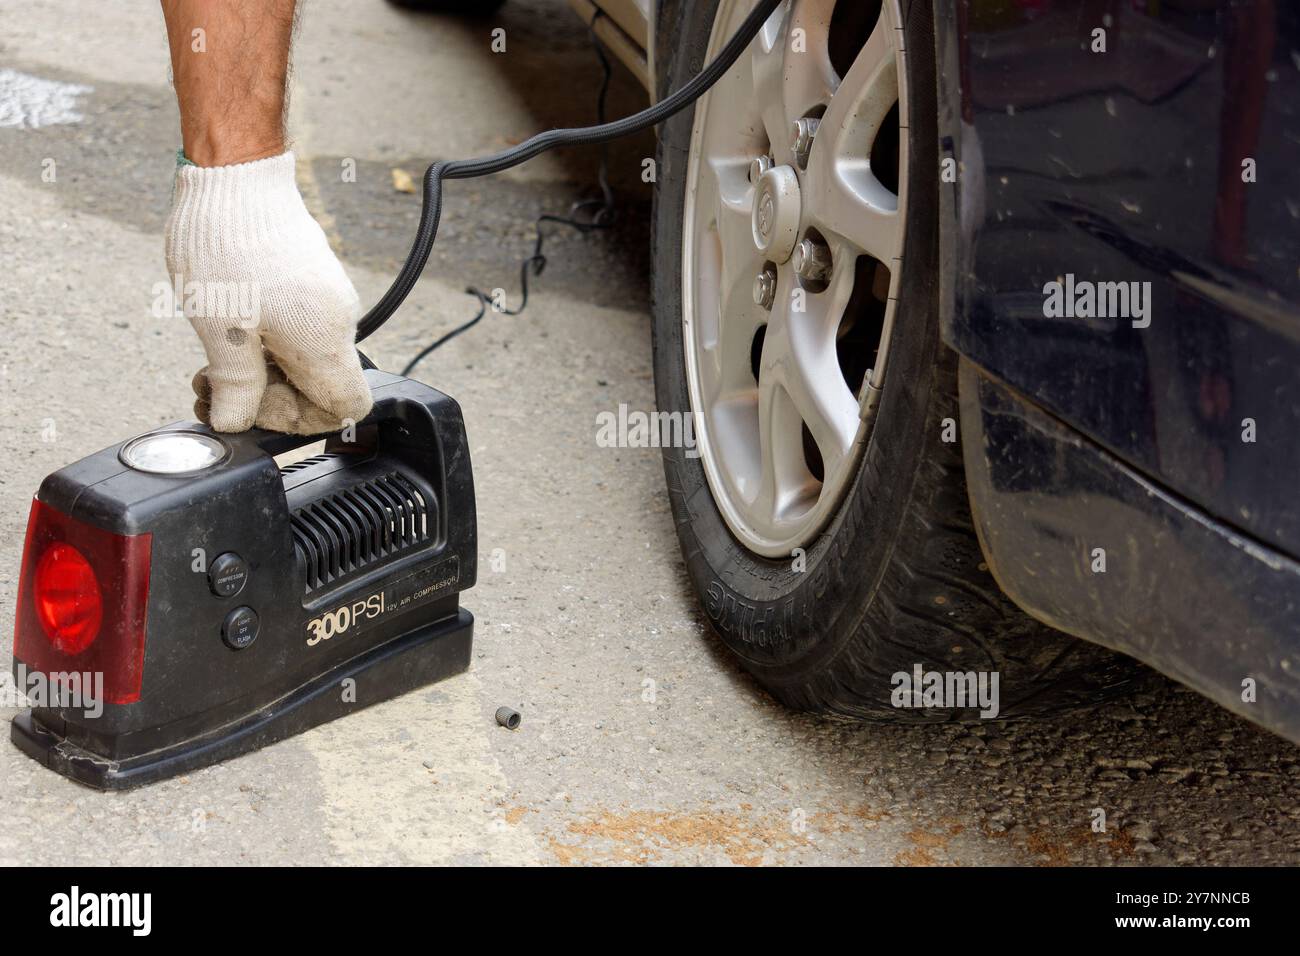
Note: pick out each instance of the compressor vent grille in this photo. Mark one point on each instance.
(355, 527)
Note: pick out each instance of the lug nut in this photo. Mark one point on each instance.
(765, 288)
(811, 261)
(757, 167)
(804, 131)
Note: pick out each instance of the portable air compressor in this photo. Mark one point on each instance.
(184, 599)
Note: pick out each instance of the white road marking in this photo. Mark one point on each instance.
(29, 102)
(383, 804)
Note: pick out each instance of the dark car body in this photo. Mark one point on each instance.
(1173, 446)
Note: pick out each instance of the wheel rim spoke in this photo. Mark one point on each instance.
(844, 195)
(799, 352)
(733, 204)
(789, 84)
(783, 485)
(727, 316)
(731, 96)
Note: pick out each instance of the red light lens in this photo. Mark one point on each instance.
(83, 598)
(68, 602)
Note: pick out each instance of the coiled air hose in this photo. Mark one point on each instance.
(431, 209)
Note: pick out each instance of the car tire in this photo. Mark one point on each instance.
(896, 578)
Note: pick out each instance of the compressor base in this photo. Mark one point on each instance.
(421, 657)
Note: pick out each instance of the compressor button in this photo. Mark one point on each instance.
(240, 628)
(227, 574)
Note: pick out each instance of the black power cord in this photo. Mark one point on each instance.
(431, 210)
(604, 215)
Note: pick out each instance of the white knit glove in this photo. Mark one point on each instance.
(258, 273)
(283, 408)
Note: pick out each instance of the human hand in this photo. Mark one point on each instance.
(264, 291)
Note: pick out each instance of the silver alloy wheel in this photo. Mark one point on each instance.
(768, 389)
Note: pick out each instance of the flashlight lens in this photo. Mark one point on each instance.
(68, 601)
(173, 453)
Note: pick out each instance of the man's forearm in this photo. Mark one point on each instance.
(230, 62)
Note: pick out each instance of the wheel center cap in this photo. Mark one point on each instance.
(775, 220)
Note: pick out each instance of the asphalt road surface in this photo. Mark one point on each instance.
(592, 600)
